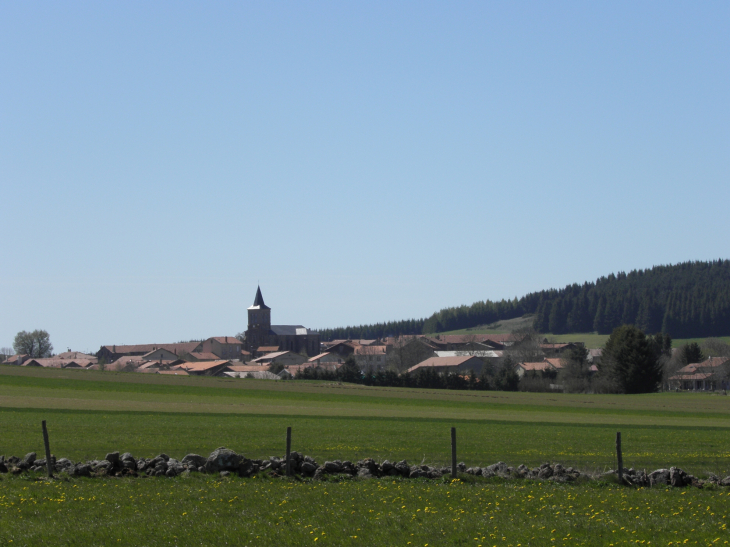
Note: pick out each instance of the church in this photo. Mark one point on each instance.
(261, 332)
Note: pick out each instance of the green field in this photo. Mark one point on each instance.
(90, 413)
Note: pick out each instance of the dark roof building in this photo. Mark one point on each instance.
(114, 352)
(260, 332)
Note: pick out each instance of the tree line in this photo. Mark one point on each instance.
(686, 300)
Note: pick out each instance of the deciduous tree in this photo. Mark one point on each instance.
(34, 344)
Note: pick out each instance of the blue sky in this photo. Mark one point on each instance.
(364, 161)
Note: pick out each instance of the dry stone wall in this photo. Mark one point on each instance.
(225, 462)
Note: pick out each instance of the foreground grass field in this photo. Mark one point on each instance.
(200, 510)
(91, 413)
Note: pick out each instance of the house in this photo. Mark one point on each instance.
(264, 350)
(594, 356)
(16, 359)
(260, 332)
(126, 363)
(205, 368)
(555, 362)
(451, 364)
(224, 347)
(494, 341)
(77, 355)
(201, 356)
(456, 342)
(53, 362)
(162, 364)
(325, 357)
(557, 349)
(370, 357)
(710, 374)
(285, 358)
(406, 352)
(484, 355)
(114, 352)
(342, 348)
(159, 354)
(539, 366)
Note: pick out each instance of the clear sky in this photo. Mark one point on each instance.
(363, 161)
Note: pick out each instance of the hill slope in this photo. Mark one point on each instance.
(687, 300)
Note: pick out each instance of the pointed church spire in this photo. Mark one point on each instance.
(259, 300)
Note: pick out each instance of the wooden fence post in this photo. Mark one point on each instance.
(49, 463)
(453, 452)
(620, 458)
(288, 451)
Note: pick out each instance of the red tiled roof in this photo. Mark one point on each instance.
(696, 376)
(267, 349)
(714, 362)
(147, 355)
(15, 358)
(204, 356)
(161, 362)
(555, 362)
(226, 339)
(203, 365)
(133, 360)
(54, 362)
(75, 355)
(318, 357)
(146, 348)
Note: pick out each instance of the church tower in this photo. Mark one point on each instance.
(259, 322)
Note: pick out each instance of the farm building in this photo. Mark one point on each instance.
(205, 368)
(224, 347)
(370, 357)
(451, 364)
(285, 358)
(710, 374)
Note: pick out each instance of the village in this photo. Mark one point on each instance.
(274, 352)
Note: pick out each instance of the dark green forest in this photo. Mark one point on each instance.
(687, 300)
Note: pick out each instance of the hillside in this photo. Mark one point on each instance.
(687, 300)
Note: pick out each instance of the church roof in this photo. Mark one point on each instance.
(258, 303)
(290, 330)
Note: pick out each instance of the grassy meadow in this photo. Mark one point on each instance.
(90, 413)
(201, 510)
